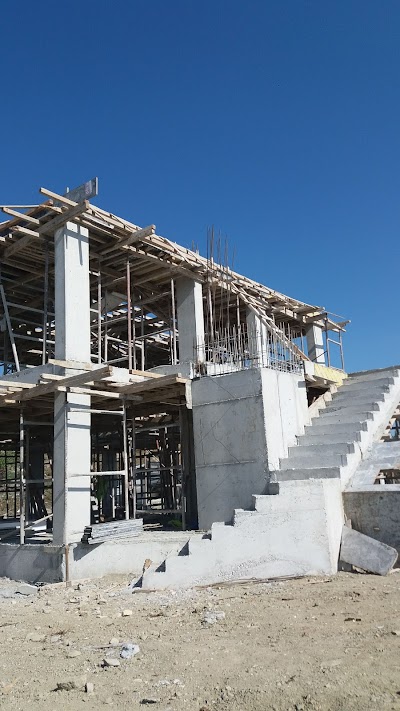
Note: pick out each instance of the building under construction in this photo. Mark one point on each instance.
(150, 395)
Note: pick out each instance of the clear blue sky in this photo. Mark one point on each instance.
(278, 122)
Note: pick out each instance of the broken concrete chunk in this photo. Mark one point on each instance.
(26, 589)
(366, 553)
(212, 616)
(111, 662)
(129, 650)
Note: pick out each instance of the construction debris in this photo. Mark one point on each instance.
(366, 553)
(114, 530)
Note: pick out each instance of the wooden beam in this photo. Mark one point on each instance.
(45, 228)
(145, 386)
(58, 198)
(21, 215)
(134, 237)
(24, 231)
(16, 384)
(49, 388)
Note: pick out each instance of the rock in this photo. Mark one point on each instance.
(71, 684)
(66, 685)
(127, 613)
(150, 701)
(129, 650)
(396, 633)
(89, 687)
(111, 662)
(26, 589)
(114, 641)
(212, 616)
(35, 637)
(73, 653)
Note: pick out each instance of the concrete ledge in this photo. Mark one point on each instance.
(36, 563)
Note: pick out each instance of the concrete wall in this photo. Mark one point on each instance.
(285, 412)
(229, 443)
(243, 423)
(32, 563)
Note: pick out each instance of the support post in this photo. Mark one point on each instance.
(189, 297)
(315, 344)
(71, 459)
(258, 340)
(21, 478)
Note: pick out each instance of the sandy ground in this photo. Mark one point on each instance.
(316, 643)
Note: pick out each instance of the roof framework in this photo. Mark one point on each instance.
(126, 258)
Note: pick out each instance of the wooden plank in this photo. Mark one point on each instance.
(136, 236)
(76, 364)
(111, 395)
(58, 198)
(16, 384)
(22, 215)
(145, 386)
(44, 228)
(48, 388)
(24, 231)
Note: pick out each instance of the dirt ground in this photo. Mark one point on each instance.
(309, 644)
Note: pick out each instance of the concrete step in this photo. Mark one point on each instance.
(313, 461)
(319, 427)
(342, 417)
(328, 437)
(357, 398)
(199, 545)
(369, 376)
(355, 385)
(320, 450)
(352, 406)
(307, 473)
(360, 391)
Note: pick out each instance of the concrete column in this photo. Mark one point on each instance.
(315, 344)
(189, 299)
(71, 457)
(72, 300)
(258, 341)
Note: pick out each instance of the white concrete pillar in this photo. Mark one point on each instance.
(190, 313)
(258, 340)
(71, 457)
(315, 344)
(72, 296)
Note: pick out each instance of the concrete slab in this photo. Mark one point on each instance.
(366, 553)
(375, 511)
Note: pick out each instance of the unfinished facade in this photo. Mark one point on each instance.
(149, 395)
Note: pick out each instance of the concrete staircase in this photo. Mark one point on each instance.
(335, 442)
(295, 529)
